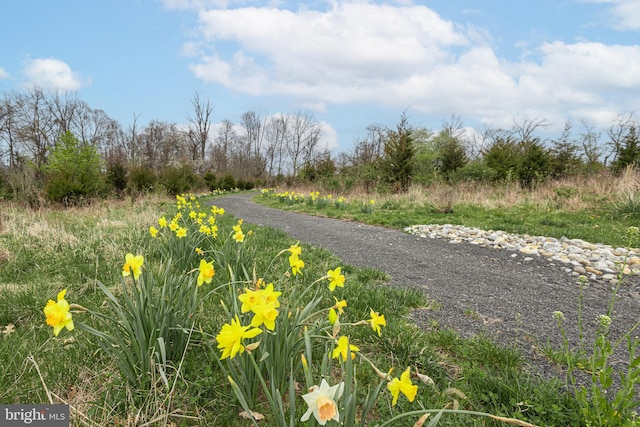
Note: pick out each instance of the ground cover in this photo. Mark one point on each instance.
(83, 251)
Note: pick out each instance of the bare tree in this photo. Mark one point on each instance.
(275, 138)
(64, 107)
(524, 130)
(35, 129)
(617, 133)
(8, 128)
(199, 128)
(131, 140)
(221, 150)
(590, 144)
(302, 139)
(254, 139)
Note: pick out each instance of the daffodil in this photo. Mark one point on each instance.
(332, 316)
(404, 386)
(296, 264)
(264, 314)
(153, 231)
(340, 305)
(162, 222)
(133, 264)
(295, 250)
(206, 272)
(238, 236)
(270, 295)
(335, 278)
(199, 251)
(322, 402)
(249, 299)
(181, 232)
(58, 314)
(231, 338)
(340, 352)
(376, 321)
(173, 226)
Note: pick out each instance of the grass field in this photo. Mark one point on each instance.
(81, 248)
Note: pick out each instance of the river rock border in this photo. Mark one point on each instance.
(593, 260)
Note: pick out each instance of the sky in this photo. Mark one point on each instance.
(490, 63)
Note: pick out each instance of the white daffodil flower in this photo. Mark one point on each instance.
(322, 402)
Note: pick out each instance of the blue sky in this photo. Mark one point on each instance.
(350, 63)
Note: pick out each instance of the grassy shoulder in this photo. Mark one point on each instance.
(49, 250)
(604, 222)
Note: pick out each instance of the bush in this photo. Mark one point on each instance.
(476, 170)
(117, 178)
(73, 171)
(179, 180)
(141, 179)
(210, 180)
(535, 166)
(227, 182)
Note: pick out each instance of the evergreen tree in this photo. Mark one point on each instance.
(629, 152)
(399, 153)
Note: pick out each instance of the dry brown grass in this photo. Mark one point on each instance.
(572, 193)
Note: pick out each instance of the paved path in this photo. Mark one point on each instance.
(478, 289)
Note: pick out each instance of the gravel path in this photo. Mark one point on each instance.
(477, 289)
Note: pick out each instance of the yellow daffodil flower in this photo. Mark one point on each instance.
(162, 222)
(376, 321)
(340, 305)
(199, 251)
(249, 299)
(153, 231)
(295, 250)
(271, 296)
(238, 236)
(58, 314)
(231, 337)
(404, 386)
(335, 278)
(206, 272)
(340, 352)
(332, 316)
(296, 264)
(181, 232)
(132, 264)
(322, 402)
(264, 314)
(173, 226)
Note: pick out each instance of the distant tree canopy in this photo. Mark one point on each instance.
(58, 145)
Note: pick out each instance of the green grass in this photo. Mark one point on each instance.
(42, 253)
(606, 224)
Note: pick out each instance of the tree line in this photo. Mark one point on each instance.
(55, 145)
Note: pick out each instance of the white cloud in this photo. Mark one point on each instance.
(624, 13)
(409, 57)
(3, 74)
(53, 74)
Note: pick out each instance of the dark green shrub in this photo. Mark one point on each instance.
(73, 171)
(179, 180)
(503, 157)
(227, 182)
(475, 170)
(451, 155)
(399, 152)
(141, 179)
(628, 153)
(535, 165)
(117, 178)
(210, 180)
